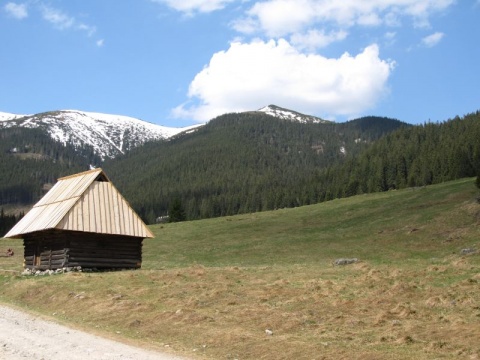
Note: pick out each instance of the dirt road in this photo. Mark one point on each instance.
(23, 336)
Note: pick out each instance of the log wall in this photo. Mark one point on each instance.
(56, 249)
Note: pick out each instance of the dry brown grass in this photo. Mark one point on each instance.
(361, 311)
(210, 289)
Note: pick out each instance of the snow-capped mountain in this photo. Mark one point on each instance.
(109, 135)
(7, 116)
(291, 115)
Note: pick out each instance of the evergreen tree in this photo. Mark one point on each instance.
(176, 211)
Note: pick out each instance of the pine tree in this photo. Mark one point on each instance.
(176, 211)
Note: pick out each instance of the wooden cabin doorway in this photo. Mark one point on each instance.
(37, 255)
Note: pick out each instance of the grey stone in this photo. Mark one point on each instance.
(342, 261)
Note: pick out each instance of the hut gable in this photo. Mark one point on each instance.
(86, 202)
(101, 209)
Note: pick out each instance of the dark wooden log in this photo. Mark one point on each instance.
(54, 249)
(53, 257)
(101, 260)
(104, 266)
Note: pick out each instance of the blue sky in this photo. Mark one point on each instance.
(180, 62)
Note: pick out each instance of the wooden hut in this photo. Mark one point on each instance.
(82, 221)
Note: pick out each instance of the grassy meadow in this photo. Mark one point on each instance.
(209, 289)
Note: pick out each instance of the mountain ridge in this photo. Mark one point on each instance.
(287, 114)
(109, 135)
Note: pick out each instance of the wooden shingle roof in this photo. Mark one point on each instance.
(86, 202)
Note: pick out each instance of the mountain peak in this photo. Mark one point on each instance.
(8, 116)
(291, 115)
(109, 135)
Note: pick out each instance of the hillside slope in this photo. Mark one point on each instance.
(240, 163)
(37, 149)
(410, 157)
(212, 287)
(31, 162)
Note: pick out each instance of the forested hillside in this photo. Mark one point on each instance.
(30, 161)
(240, 163)
(248, 162)
(415, 156)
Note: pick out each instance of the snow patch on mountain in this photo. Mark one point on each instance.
(7, 116)
(291, 115)
(109, 135)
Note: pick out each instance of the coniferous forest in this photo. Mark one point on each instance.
(248, 162)
(240, 163)
(30, 162)
(410, 157)
(243, 163)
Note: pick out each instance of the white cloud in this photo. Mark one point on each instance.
(371, 19)
(421, 10)
(390, 35)
(315, 39)
(57, 18)
(390, 38)
(100, 42)
(250, 75)
(191, 6)
(432, 40)
(89, 29)
(288, 71)
(18, 11)
(63, 21)
(278, 18)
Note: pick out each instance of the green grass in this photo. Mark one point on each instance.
(215, 285)
(379, 228)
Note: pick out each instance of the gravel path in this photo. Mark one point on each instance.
(23, 336)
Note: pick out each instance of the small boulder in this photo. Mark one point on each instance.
(27, 272)
(342, 261)
(468, 251)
